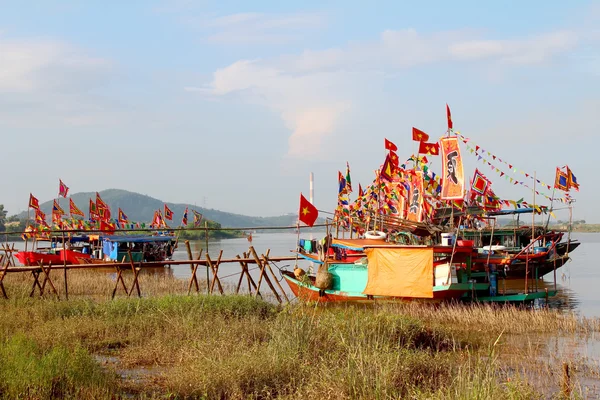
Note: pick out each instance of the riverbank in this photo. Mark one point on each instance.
(168, 345)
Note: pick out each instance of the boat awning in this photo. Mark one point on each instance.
(138, 239)
(400, 272)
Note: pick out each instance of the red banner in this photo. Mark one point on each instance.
(415, 198)
(452, 168)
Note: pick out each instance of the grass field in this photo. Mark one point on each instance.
(169, 345)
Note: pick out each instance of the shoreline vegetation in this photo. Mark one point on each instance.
(167, 345)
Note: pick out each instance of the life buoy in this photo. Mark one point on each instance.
(377, 235)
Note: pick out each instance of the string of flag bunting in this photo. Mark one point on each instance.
(481, 156)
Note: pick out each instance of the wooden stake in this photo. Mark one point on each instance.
(215, 274)
(206, 239)
(211, 266)
(194, 279)
(2, 275)
(246, 272)
(135, 272)
(263, 275)
(65, 266)
(268, 264)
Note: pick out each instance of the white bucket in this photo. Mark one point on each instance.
(448, 239)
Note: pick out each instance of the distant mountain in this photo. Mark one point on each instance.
(140, 208)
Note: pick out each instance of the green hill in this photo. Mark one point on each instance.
(140, 208)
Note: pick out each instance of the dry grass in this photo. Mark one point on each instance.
(240, 347)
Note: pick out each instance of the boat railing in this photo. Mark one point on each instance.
(526, 248)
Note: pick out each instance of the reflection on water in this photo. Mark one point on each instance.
(578, 282)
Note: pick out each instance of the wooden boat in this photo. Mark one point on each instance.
(363, 281)
(55, 253)
(387, 271)
(99, 249)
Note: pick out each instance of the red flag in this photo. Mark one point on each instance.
(106, 227)
(33, 202)
(360, 191)
(419, 136)
(449, 116)
(429, 148)
(390, 146)
(63, 190)
(307, 213)
(393, 159)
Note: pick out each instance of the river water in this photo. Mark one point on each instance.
(577, 282)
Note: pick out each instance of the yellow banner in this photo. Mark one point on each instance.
(452, 167)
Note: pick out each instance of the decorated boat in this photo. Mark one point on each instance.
(407, 203)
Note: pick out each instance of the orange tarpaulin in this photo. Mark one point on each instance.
(400, 272)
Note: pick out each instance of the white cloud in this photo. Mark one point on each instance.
(532, 50)
(32, 65)
(254, 28)
(47, 82)
(312, 90)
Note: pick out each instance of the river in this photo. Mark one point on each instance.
(578, 282)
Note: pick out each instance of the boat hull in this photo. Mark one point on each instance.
(29, 258)
(308, 292)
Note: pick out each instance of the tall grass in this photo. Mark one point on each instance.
(240, 347)
(29, 372)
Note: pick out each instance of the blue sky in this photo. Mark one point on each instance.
(237, 102)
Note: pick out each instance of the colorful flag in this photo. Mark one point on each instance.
(197, 218)
(480, 184)
(572, 180)
(452, 169)
(348, 180)
(93, 209)
(429, 148)
(56, 209)
(341, 183)
(33, 202)
(387, 170)
(99, 202)
(360, 191)
(122, 217)
(184, 220)
(40, 217)
(157, 220)
(419, 136)
(307, 213)
(63, 190)
(73, 210)
(561, 181)
(390, 146)
(415, 197)
(168, 213)
(449, 116)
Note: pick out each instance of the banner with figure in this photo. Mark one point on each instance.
(452, 167)
(415, 197)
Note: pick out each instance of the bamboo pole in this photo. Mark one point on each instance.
(206, 241)
(263, 274)
(65, 266)
(268, 264)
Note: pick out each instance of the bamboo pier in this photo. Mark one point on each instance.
(42, 282)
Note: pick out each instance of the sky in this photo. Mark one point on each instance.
(231, 104)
